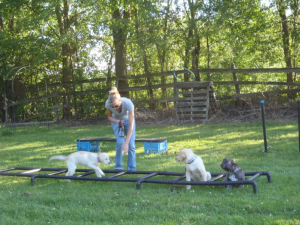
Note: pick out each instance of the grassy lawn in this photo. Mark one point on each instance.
(53, 201)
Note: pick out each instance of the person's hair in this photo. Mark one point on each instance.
(113, 95)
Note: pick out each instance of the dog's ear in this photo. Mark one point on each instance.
(189, 151)
(234, 164)
(222, 165)
(226, 164)
(183, 155)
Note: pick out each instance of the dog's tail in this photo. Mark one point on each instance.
(58, 157)
(208, 175)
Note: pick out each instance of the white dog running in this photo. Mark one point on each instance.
(88, 159)
(194, 167)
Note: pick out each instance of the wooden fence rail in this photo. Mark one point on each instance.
(171, 73)
(170, 99)
(58, 94)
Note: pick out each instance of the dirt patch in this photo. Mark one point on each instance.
(143, 117)
(235, 115)
(242, 111)
(83, 122)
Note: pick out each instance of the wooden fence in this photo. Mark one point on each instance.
(55, 92)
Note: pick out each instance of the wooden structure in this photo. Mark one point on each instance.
(194, 100)
(47, 98)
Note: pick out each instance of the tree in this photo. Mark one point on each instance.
(120, 15)
(281, 7)
(66, 24)
(161, 43)
(295, 6)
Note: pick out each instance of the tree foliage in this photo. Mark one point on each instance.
(70, 40)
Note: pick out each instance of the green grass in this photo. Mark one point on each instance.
(52, 201)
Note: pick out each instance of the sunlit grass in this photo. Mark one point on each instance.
(52, 201)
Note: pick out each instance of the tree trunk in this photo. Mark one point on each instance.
(285, 38)
(66, 77)
(1, 21)
(162, 54)
(187, 54)
(149, 83)
(109, 68)
(119, 36)
(208, 56)
(145, 59)
(195, 61)
(295, 35)
(161, 58)
(196, 40)
(81, 97)
(64, 27)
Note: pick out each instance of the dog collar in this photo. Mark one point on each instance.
(98, 157)
(192, 160)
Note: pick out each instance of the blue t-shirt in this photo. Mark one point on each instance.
(127, 107)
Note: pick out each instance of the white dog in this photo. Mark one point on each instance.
(88, 159)
(194, 167)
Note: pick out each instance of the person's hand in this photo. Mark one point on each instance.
(125, 149)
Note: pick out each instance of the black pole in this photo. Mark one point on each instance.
(13, 101)
(299, 121)
(264, 124)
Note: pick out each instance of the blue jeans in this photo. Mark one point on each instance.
(131, 163)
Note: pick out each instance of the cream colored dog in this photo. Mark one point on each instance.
(194, 167)
(88, 159)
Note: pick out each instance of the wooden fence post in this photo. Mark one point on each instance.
(237, 87)
(5, 104)
(56, 104)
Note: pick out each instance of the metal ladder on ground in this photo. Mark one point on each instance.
(126, 176)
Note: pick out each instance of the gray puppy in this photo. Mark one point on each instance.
(234, 172)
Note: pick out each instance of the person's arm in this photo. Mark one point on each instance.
(129, 132)
(110, 117)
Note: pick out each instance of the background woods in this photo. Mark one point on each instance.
(62, 56)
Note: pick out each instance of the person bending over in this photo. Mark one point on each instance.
(120, 112)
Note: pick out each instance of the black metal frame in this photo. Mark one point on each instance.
(32, 172)
(156, 140)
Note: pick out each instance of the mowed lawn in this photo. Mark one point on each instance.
(53, 201)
